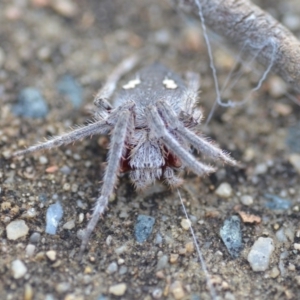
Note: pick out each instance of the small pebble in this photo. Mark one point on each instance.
(294, 159)
(30, 104)
(112, 268)
(277, 203)
(35, 238)
(157, 293)
(189, 247)
(293, 139)
(2, 57)
(70, 88)
(260, 253)
(162, 262)
(173, 258)
(231, 235)
(28, 293)
(274, 273)
(291, 21)
(280, 235)
(18, 269)
(177, 290)
(51, 254)
(143, 227)
(158, 239)
(118, 289)
(66, 186)
(123, 270)
(260, 169)
(43, 160)
(53, 216)
(296, 246)
(16, 229)
(66, 8)
(69, 225)
(247, 200)
(277, 87)
(224, 190)
(62, 287)
(30, 249)
(185, 224)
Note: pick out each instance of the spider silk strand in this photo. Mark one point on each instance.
(200, 256)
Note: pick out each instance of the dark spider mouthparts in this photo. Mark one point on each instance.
(153, 123)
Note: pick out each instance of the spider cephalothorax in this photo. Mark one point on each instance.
(153, 123)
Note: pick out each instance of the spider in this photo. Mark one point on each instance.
(153, 122)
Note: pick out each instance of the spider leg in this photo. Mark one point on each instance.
(99, 127)
(115, 153)
(201, 144)
(171, 179)
(172, 144)
(190, 113)
(192, 92)
(109, 87)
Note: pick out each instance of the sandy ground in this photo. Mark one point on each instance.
(43, 40)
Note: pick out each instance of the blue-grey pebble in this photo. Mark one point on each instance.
(277, 203)
(31, 104)
(69, 87)
(231, 235)
(143, 227)
(293, 138)
(53, 216)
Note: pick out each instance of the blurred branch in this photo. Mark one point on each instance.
(244, 24)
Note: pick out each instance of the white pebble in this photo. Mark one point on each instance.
(53, 216)
(291, 21)
(112, 268)
(294, 159)
(259, 255)
(30, 249)
(224, 190)
(277, 87)
(69, 225)
(18, 269)
(260, 169)
(2, 57)
(118, 289)
(185, 224)
(16, 229)
(51, 254)
(43, 160)
(247, 200)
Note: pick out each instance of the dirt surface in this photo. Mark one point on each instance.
(43, 40)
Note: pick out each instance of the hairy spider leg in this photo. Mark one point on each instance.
(201, 144)
(101, 98)
(115, 154)
(193, 85)
(172, 144)
(99, 127)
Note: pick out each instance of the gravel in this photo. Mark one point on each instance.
(42, 44)
(53, 216)
(260, 253)
(224, 190)
(143, 227)
(277, 203)
(231, 235)
(118, 289)
(31, 104)
(70, 88)
(18, 269)
(16, 229)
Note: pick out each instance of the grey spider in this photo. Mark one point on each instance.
(153, 123)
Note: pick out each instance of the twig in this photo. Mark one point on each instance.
(244, 24)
